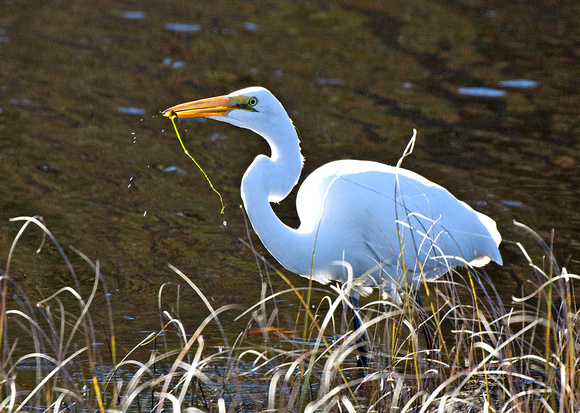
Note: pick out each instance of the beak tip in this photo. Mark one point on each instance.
(168, 113)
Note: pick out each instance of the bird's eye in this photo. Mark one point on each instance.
(253, 101)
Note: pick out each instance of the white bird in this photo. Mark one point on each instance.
(377, 225)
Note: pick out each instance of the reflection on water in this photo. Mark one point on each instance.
(131, 111)
(485, 92)
(183, 27)
(177, 64)
(356, 77)
(519, 83)
(134, 15)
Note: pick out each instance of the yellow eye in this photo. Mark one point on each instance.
(253, 101)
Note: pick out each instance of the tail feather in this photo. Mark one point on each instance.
(493, 253)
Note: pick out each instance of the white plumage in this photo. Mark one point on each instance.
(382, 225)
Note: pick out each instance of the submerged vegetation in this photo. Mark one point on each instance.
(490, 356)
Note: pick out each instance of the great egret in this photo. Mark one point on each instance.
(373, 224)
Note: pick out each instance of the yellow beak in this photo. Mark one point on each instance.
(217, 106)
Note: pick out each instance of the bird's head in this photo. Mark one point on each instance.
(252, 108)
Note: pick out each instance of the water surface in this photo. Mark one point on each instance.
(83, 145)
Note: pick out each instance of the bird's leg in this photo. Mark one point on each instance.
(423, 315)
(357, 323)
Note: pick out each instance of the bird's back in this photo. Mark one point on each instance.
(389, 223)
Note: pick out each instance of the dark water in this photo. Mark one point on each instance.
(492, 87)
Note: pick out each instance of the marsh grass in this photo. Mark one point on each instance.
(521, 356)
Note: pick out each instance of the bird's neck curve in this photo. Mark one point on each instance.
(270, 179)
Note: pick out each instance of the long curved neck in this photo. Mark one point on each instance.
(270, 179)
